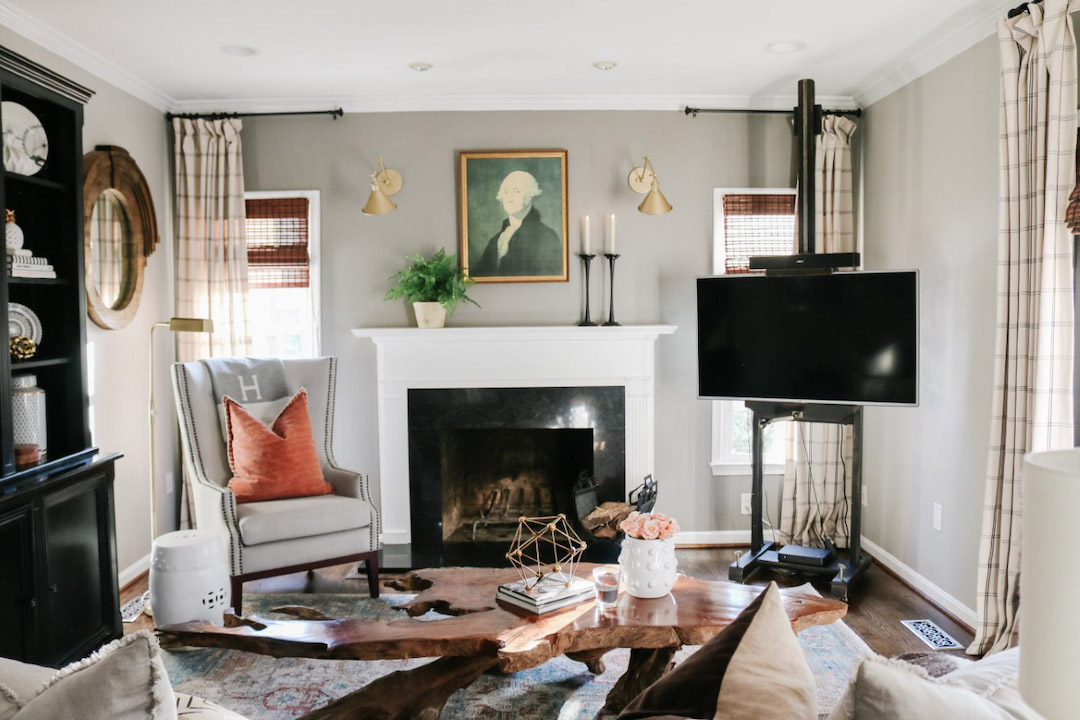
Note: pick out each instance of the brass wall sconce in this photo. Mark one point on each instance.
(643, 180)
(384, 183)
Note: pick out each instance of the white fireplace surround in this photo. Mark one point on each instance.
(501, 357)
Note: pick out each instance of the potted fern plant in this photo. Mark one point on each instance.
(433, 285)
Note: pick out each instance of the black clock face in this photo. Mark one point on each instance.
(36, 144)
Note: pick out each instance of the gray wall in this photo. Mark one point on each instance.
(661, 255)
(931, 203)
(121, 357)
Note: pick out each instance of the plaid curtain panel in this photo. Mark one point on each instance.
(817, 475)
(211, 252)
(1033, 358)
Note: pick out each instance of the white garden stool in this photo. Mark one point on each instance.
(188, 578)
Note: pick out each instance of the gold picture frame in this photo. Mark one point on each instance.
(513, 215)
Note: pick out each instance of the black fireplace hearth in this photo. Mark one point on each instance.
(480, 458)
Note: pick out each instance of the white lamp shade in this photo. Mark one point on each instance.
(1049, 587)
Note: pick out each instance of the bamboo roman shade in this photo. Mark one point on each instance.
(757, 224)
(277, 242)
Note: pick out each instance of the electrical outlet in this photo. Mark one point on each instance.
(169, 483)
(937, 516)
(865, 502)
(745, 503)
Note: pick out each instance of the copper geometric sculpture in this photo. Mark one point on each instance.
(545, 546)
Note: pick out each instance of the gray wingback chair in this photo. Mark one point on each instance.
(276, 537)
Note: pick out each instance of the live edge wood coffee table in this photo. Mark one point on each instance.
(483, 635)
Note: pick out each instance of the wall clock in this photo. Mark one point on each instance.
(26, 146)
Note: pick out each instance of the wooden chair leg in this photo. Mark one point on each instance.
(237, 599)
(373, 573)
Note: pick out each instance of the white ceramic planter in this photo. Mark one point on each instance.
(649, 567)
(429, 314)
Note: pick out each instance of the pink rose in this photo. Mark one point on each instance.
(650, 530)
(665, 528)
(632, 524)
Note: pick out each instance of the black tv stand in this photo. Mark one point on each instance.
(766, 554)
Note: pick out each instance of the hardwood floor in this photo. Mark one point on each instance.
(878, 603)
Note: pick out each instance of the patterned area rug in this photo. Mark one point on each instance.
(264, 688)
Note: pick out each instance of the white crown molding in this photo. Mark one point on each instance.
(67, 48)
(933, 51)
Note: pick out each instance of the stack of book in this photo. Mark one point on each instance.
(23, 264)
(549, 593)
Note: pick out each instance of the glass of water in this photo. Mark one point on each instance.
(606, 582)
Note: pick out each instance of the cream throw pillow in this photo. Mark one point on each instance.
(768, 677)
(124, 680)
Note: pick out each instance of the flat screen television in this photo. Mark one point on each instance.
(845, 338)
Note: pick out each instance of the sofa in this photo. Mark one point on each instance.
(124, 679)
(755, 669)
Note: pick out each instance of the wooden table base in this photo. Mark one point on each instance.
(646, 667)
(417, 694)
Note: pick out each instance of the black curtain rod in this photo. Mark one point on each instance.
(1020, 10)
(224, 115)
(694, 111)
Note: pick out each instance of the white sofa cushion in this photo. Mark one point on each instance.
(895, 690)
(273, 520)
(19, 684)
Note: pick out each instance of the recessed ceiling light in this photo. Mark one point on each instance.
(420, 66)
(605, 64)
(785, 47)
(239, 50)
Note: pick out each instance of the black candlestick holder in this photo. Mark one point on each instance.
(587, 259)
(611, 289)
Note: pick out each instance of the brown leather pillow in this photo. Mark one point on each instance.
(276, 462)
(753, 669)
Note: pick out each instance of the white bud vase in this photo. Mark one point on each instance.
(429, 314)
(649, 567)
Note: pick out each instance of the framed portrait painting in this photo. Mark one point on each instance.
(513, 215)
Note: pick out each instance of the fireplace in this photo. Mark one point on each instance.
(480, 458)
(406, 361)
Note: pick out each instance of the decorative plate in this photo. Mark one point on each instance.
(26, 146)
(23, 321)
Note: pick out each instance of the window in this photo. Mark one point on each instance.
(747, 223)
(282, 233)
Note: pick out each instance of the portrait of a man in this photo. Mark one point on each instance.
(513, 216)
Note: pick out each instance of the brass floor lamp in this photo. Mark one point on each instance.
(176, 324)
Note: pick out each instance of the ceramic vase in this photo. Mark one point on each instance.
(429, 314)
(28, 413)
(648, 567)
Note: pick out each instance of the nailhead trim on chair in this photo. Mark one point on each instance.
(236, 560)
(375, 527)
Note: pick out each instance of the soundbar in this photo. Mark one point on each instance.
(805, 261)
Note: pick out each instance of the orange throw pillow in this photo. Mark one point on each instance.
(270, 463)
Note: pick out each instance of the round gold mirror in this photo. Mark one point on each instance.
(109, 252)
(120, 232)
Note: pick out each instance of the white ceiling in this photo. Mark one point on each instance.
(501, 55)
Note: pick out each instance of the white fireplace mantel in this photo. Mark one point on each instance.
(557, 356)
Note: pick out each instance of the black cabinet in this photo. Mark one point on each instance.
(47, 206)
(58, 595)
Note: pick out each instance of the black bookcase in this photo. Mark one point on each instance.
(58, 578)
(48, 208)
